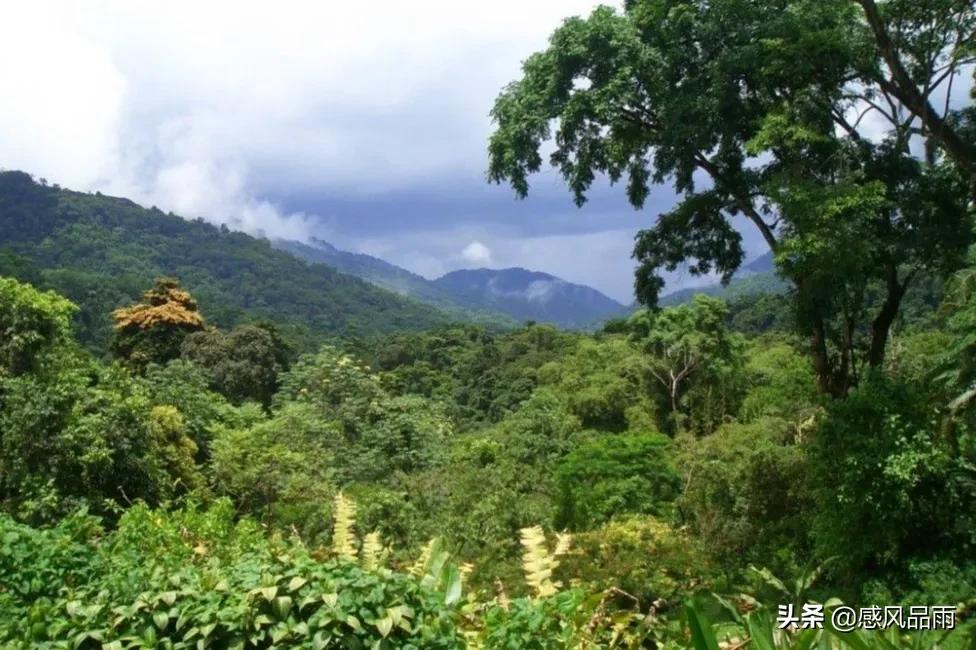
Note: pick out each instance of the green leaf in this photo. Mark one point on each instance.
(384, 625)
(701, 632)
(161, 620)
(282, 605)
(452, 590)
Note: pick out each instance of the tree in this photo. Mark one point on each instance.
(605, 384)
(153, 330)
(888, 485)
(75, 433)
(31, 322)
(203, 412)
(757, 109)
(243, 364)
(79, 435)
(280, 470)
(745, 494)
(616, 475)
(920, 46)
(376, 435)
(780, 382)
(685, 342)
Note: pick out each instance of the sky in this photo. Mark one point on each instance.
(364, 124)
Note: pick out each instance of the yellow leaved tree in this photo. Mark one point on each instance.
(152, 330)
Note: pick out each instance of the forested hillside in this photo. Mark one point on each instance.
(102, 252)
(753, 284)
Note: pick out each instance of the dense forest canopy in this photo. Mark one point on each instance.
(206, 443)
(668, 489)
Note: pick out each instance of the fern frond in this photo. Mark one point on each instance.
(503, 600)
(419, 567)
(373, 551)
(537, 563)
(343, 536)
(563, 542)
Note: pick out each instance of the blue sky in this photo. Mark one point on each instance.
(362, 123)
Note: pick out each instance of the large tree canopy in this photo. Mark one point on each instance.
(808, 118)
(153, 330)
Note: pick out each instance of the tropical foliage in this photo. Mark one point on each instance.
(363, 474)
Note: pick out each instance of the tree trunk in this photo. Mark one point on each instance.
(833, 375)
(881, 325)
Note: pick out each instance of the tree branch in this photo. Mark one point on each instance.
(901, 86)
(743, 201)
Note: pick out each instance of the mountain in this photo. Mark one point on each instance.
(762, 264)
(392, 278)
(503, 297)
(369, 268)
(756, 277)
(102, 252)
(531, 295)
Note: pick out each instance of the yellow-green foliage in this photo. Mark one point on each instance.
(165, 304)
(30, 322)
(373, 551)
(174, 448)
(538, 563)
(644, 556)
(420, 566)
(343, 535)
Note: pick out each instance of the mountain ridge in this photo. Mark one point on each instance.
(583, 306)
(532, 295)
(102, 252)
(756, 277)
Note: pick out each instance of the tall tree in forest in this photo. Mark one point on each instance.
(776, 111)
(685, 343)
(31, 322)
(242, 364)
(153, 330)
(919, 47)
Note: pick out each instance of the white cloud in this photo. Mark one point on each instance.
(476, 253)
(203, 108)
(63, 96)
(540, 290)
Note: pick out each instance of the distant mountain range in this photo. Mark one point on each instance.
(103, 252)
(372, 269)
(531, 295)
(516, 294)
(758, 276)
